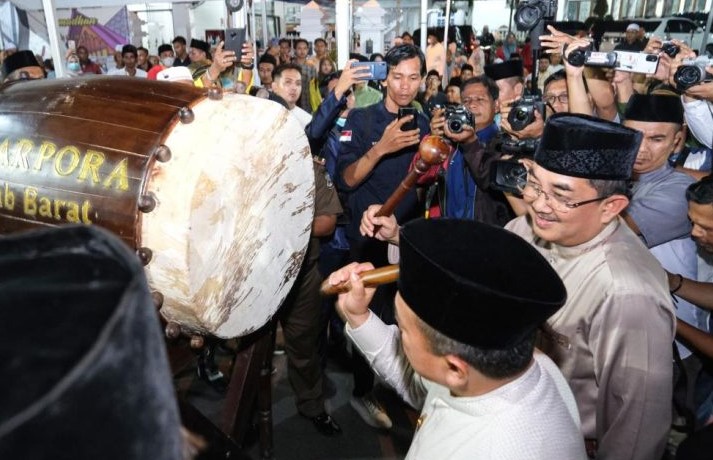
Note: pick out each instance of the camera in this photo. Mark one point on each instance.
(670, 48)
(578, 56)
(524, 148)
(457, 117)
(531, 12)
(522, 112)
(508, 176)
(692, 72)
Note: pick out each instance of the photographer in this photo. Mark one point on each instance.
(508, 76)
(466, 191)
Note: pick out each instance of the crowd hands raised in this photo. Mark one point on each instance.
(613, 194)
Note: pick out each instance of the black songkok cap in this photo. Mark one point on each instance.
(507, 69)
(654, 108)
(201, 45)
(84, 359)
(19, 60)
(468, 290)
(588, 147)
(164, 48)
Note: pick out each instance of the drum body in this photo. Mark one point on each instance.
(216, 196)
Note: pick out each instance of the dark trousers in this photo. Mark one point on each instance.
(299, 317)
(382, 305)
(331, 325)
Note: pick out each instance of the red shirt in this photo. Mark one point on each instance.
(153, 71)
(91, 67)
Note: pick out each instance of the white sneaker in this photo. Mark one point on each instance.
(371, 411)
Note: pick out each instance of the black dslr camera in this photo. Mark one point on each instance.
(457, 117)
(510, 175)
(522, 112)
(670, 48)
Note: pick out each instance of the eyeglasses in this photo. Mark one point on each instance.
(532, 191)
(475, 100)
(562, 98)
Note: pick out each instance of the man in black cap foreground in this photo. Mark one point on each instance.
(22, 65)
(612, 340)
(463, 348)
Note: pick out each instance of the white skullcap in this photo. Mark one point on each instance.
(175, 74)
(634, 27)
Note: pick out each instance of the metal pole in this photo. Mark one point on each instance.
(445, 26)
(53, 32)
(424, 25)
(706, 33)
(264, 23)
(343, 31)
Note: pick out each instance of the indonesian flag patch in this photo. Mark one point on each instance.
(345, 136)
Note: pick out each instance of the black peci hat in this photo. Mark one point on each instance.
(469, 290)
(17, 61)
(588, 147)
(503, 70)
(201, 45)
(654, 108)
(82, 353)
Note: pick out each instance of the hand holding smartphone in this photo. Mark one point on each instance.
(234, 39)
(377, 70)
(411, 124)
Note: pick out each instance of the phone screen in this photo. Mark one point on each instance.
(409, 125)
(377, 70)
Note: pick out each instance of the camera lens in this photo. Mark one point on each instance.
(455, 126)
(688, 75)
(521, 114)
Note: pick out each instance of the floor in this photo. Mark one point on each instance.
(295, 438)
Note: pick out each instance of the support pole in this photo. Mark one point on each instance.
(53, 32)
(343, 31)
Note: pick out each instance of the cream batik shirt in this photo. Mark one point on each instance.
(613, 339)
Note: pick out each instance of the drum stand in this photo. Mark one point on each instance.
(249, 388)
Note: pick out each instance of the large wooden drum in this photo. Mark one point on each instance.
(216, 196)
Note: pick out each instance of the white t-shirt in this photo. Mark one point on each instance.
(122, 72)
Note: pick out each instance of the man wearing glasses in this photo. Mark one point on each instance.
(612, 339)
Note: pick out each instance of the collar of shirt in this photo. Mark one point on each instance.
(656, 174)
(570, 252)
(487, 133)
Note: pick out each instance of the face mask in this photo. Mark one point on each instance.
(73, 66)
(167, 61)
(341, 121)
(422, 88)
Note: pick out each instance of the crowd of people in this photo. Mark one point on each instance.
(563, 315)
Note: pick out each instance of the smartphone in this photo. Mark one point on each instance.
(72, 45)
(234, 39)
(411, 124)
(599, 59)
(377, 70)
(628, 61)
